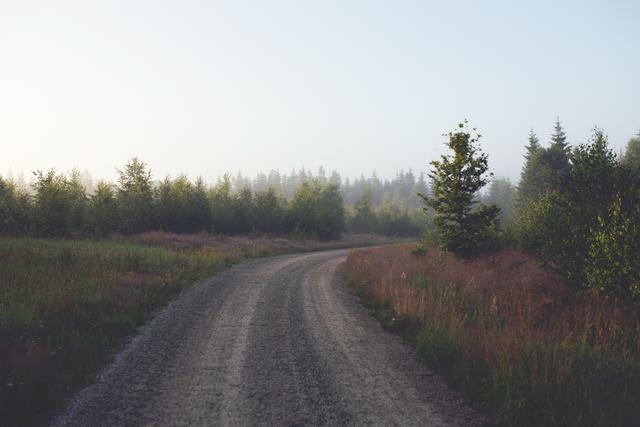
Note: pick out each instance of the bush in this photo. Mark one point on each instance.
(613, 265)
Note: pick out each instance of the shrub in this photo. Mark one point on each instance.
(613, 265)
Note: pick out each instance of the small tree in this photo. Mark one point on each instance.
(14, 209)
(268, 211)
(529, 187)
(631, 158)
(465, 227)
(102, 211)
(330, 213)
(502, 194)
(135, 197)
(364, 218)
(221, 206)
(55, 203)
(613, 264)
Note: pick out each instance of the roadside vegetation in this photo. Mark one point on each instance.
(66, 305)
(525, 297)
(82, 265)
(514, 337)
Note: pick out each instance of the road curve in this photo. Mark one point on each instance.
(278, 341)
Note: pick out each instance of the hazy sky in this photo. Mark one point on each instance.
(205, 87)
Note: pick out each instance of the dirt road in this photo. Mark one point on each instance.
(279, 341)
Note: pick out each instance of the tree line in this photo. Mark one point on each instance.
(576, 208)
(60, 206)
(64, 205)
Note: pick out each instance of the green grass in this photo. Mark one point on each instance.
(65, 306)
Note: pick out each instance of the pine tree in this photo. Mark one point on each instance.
(534, 145)
(559, 137)
(364, 218)
(465, 227)
(529, 187)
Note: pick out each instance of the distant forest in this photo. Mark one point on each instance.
(316, 205)
(320, 204)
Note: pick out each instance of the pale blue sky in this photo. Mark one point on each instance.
(205, 87)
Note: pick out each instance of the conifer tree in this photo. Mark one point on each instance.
(533, 146)
(465, 227)
(559, 137)
(530, 187)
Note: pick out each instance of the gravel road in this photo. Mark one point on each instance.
(278, 341)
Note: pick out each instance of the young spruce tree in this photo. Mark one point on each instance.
(530, 187)
(465, 227)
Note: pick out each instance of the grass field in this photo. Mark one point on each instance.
(513, 337)
(65, 306)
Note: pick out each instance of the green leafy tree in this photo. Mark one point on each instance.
(243, 211)
(181, 206)
(631, 157)
(558, 226)
(268, 211)
(465, 227)
(14, 210)
(135, 197)
(102, 211)
(330, 213)
(316, 210)
(58, 200)
(364, 218)
(591, 189)
(199, 207)
(397, 219)
(221, 202)
(78, 198)
(542, 228)
(613, 264)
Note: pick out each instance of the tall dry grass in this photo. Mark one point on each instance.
(65, 305)
(528, 348)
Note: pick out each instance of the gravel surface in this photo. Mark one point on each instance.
(279, 341)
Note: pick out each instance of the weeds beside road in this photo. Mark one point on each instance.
(512, 336)
(66, 305)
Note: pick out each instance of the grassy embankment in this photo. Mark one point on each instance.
(65, 306)
(509, 334)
